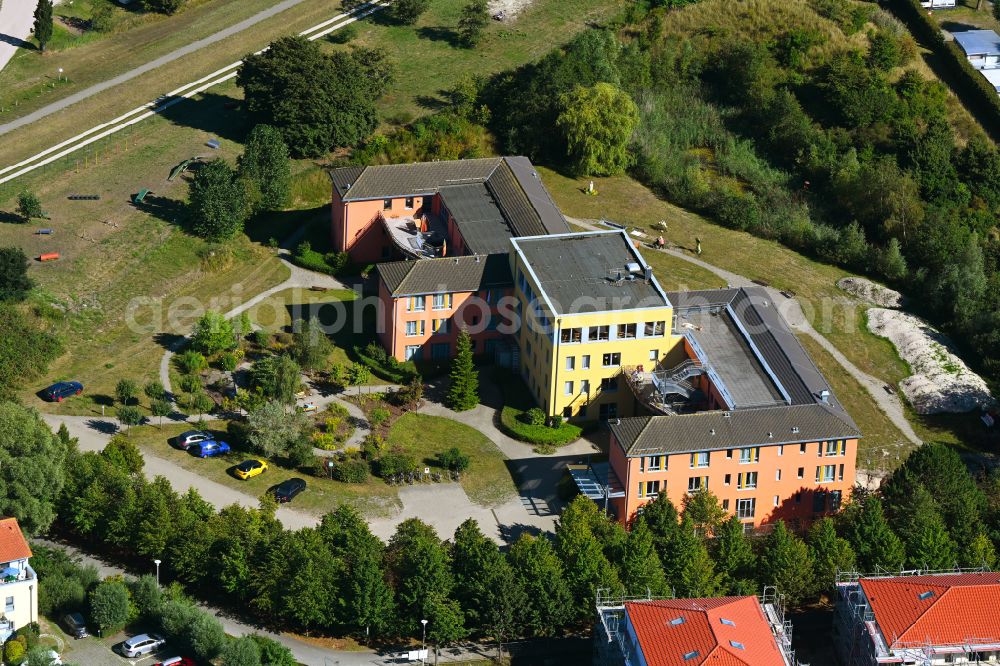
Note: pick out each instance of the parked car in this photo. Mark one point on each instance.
(190, 438)
(142, 644)
(212, 448)
(176, 661)
(61, 390)
(251, 468)
(287, 490)
(75, 625)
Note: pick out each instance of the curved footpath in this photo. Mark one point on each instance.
(796, 320)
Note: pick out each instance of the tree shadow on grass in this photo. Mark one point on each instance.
(211, 113)
(13, 218)
(169, 341)
(431, 102)
(171, 211)
(439, 33)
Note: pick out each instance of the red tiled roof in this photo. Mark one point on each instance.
(704, 632)
(955, 608)
(12, 543)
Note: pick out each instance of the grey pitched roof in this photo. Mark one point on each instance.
(575, 272)
(446, 275)
(399, 180)
(343, 178)
(716, 430)
(483, 228)
(524, 173)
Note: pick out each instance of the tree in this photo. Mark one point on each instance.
(587, 567)
(540, 574)
(161, 408)
(890, 263)
(369, 599)
(146, 595)
(378, 69)
(310, 344)
(485, 586)
(641, 571)
(874, 542)
(408, 11)
(213, 333)
(43, 23)
(661, 517)
(930, 546)
(126, 390)
(445, 622)
(242, 651)
(154, 390)
(830, 554)
(129, 416)
(14, 281)
(734, 558)
(704, 510)
(206, 636)
(110, 607)
(191, 362)
(266, 167)
(419, 564)
(29, 206)
(123, 454)
(271, 428)
(31, 468)
(311, 98)
(698, 578)
(463, 393)
(597, 124)
(979, 553)
(162, 6)
(273, 653)
(278, 378)
(473, 21)
(216, 205)
(785, 563)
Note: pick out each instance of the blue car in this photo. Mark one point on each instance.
(212, 448)
(60, 390)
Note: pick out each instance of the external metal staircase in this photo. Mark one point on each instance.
(676, 380)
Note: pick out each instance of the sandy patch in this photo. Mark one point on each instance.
(508, 8)
(871, 292)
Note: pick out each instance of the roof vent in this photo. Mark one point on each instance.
(712, 431)
(633, 267)
(456, 260)
(770, 435)
(726, 415)
(677, 620)
(618, 421)
(477, 258)
(824, 395)
(649, 273)
(923, 596)
(795, 429)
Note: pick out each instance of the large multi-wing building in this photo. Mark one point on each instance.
(700, 390)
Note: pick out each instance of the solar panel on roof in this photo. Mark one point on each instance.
(737, 645)
(727, 622)
(691, 655)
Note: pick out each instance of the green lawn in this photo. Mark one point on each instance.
(487, 480)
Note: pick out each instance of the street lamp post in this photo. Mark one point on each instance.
(423, 642)
(60, 73)
(157, 563)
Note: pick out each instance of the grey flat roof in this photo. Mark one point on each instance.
(718, 430)
(731, 357)
(483, 228)
(446, 275)
(575, 272)
(978, 42)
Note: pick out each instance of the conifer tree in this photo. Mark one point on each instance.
(641, 570)
(698, 579)
(873, 541)
(463, 394)
(830, 554)
(931, 547)
(586, 566)
(43, 23)
(540, 573)
(680, 552)
(734, 558)
(785, 563)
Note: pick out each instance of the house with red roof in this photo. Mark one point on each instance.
(18, 582)
(722, 631)
(925, 619)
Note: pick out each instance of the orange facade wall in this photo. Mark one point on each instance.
(788, 496)
(395, 314)
(357, 230)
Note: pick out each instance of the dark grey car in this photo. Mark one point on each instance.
(75, 625)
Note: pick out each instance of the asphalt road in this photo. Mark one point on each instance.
(16, 20)
(19, 9)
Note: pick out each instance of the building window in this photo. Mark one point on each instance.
(598, 333)
(729, 453)
(699, 459)
(408, 202)
(571, 335)
(442, 301)
(609, 384)
(781, 450)
(9, 605)
(439, 326)
(440, 351)
(777, 475)
(412, 352)
(725, 505)
(654, 329)
(696, 483)
(415, 304)
(802, 472)
(568, 412)
(777, 500)
(840, 473)
(568, 388)
(802, 448)
(585, 361)
(728, 479)
(825, 473)
(745, 508)
(386, 204)
(570, 362)
(585, 387)
(612, 359)
(746, 481)
(649, 488)
(654, 463)
(654, 354)
(415, 327)
(834, 448)
(626, 330)
(749, 455)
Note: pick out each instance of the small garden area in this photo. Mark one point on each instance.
(521, 419)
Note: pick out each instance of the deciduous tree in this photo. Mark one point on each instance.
(217, 208)
(408, 11)
(28, 205)
(830, 554)
(875, 544)
(266, 168)
(213, 333)
(734, 558)
(597, 124)
(14, 281)
(540, 573)
(310, 344)
(271, 428)
(278, 377)
(126, 390)
(31, 468)
(110, 606)
(641, 571)
(785, 563)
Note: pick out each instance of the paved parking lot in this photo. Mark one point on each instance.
(95, 651)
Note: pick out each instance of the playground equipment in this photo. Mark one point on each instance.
(141, 196)
(44, 232)
(84, 197)
(182, 167)
(48, 256)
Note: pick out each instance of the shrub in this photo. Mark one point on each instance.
(191, 362)
(386, 367)
(351, 471)
(373, 446)
(261, 337)
(229, 361)
(190, 384)
(534, 416)
(378, 416)
(13, 652)
(324, 440)
(454, 460)
(396, 463)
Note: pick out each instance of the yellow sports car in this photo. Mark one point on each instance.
(251, 467)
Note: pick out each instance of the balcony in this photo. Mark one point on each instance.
(418, 238)
(12, 574)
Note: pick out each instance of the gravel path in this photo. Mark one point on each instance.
(796, 320)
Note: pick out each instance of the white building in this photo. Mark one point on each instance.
(982, 47)
(18, 582)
